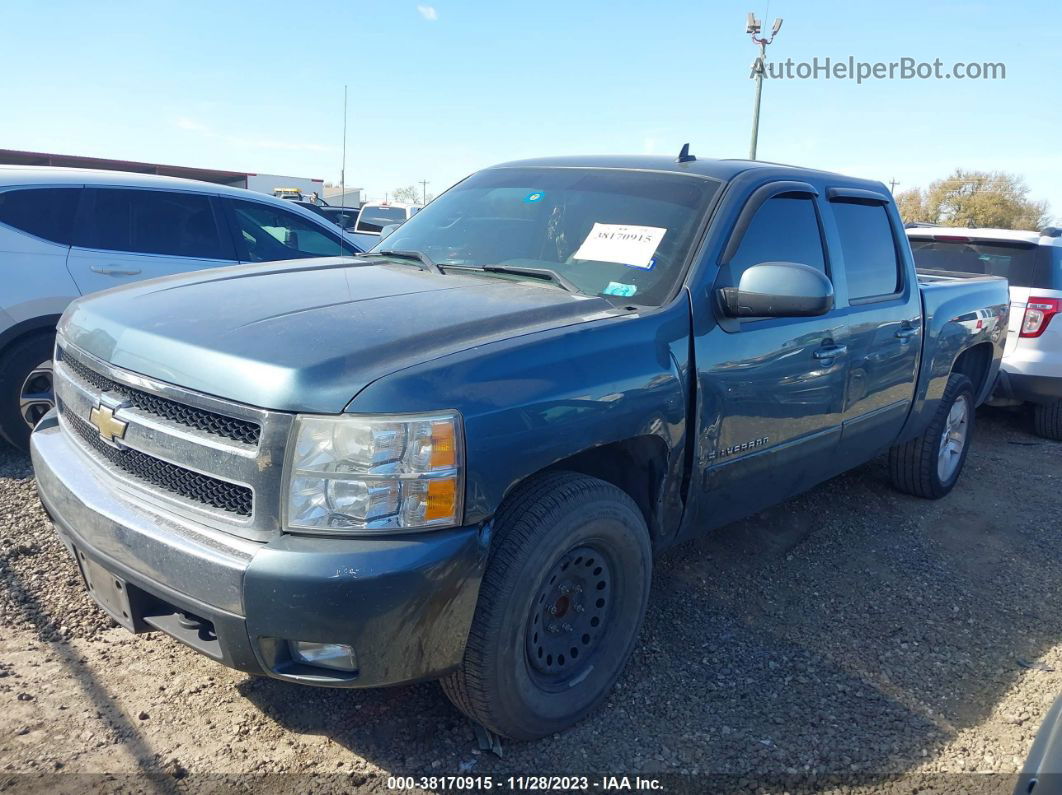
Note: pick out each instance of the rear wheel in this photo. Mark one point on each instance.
(26, 387)
(1047, 420)
(559, 609)
(929, 465)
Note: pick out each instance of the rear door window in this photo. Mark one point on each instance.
(1023, 264)
(266, 233)
(47, 213)
(169, 223)
(871, 263)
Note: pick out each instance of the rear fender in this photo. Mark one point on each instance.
(959, 316)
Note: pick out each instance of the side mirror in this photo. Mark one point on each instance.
(778, 289)
(386, 230)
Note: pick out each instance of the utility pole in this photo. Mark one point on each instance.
(424, 191)
(892, 185)
(759, 68)
(343, 169)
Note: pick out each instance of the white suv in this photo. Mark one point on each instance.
(1032, 261)
(65, 232)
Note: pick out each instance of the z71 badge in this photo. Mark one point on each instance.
(739, 448)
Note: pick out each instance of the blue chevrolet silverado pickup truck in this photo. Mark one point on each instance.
(456, 457)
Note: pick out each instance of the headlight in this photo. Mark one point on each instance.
(373, 473)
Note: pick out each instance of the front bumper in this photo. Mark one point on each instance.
(403, 603)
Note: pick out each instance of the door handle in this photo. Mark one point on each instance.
(906, 333)
(114, 270)
(830, 351)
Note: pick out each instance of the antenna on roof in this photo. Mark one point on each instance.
(684, 155)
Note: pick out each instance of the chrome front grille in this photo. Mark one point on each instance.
(164, 475)
(201, 457)
(209, 421)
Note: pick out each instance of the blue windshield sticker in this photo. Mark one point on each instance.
(537, 196)
(648, 267)
(618, 288)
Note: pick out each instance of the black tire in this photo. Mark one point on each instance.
(913, 466)
(560, 531)
(16, 365)
(1047, 420)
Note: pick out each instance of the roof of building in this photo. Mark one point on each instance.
(222, 177)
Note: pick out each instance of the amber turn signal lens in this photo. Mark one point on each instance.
(443, 445)
(441, 499)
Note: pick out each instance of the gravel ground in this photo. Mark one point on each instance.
(853, 638)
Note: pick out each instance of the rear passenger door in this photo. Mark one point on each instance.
(125, 235)
(883, 307)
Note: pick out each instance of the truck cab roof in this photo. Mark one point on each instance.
(721, 169)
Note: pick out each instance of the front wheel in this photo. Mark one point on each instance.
(26, 390)
(929, 465)
(559, 609)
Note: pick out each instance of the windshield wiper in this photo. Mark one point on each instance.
(423, 260)
(539, 273)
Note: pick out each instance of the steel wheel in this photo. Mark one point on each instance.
(569, 616)
(559, 607)
(953, 439)
(37, 395)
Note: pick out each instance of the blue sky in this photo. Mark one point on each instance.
(443, 87)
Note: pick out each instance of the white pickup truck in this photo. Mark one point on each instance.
(1032, 261)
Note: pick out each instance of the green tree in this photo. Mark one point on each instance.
(981, 198)
(410, 194)
(912, 205)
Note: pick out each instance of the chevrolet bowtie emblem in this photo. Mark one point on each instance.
(111, 428)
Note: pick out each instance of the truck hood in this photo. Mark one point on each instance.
(308, 335)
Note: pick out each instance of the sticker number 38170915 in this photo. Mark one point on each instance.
(626, 245)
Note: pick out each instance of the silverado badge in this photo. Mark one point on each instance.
(110, 427)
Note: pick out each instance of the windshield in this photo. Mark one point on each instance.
(1023, 264)
(343, 218)
(607, 231)
(373, 219)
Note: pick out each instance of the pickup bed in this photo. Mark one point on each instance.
(456, 457)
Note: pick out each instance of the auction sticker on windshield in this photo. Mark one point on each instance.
(622, 244)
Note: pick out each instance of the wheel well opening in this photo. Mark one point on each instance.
(637, 466)
(27, 330)
(974, 363)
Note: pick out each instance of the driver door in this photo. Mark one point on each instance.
(771, 389)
